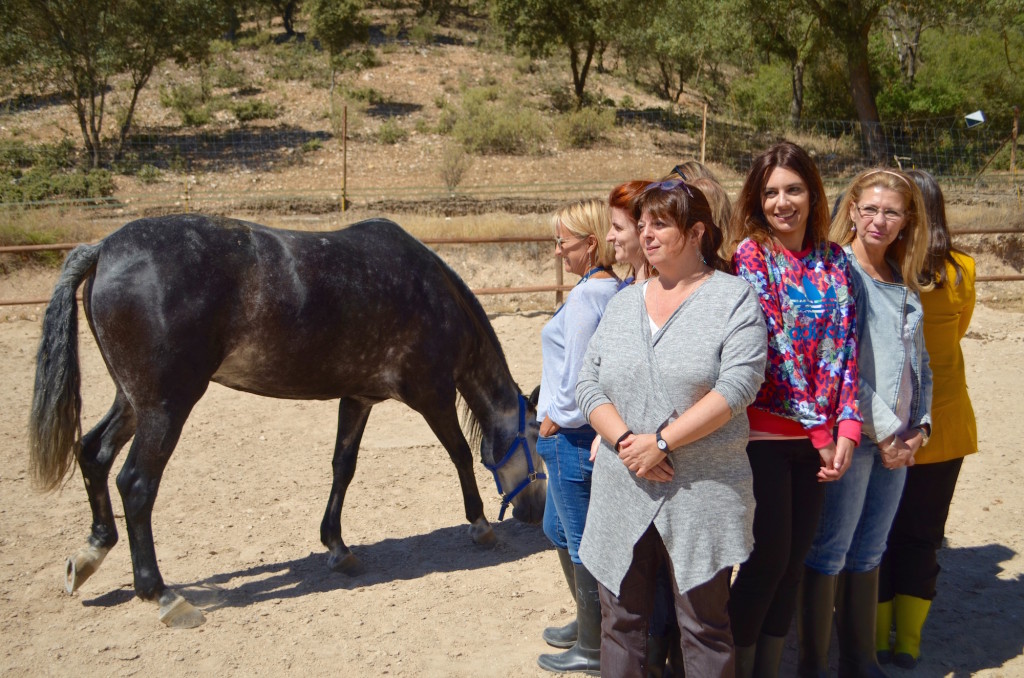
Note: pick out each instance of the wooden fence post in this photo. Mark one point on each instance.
(703, 132)
(344, 156)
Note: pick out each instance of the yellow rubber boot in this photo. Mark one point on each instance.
(883, 629)
(909, 613)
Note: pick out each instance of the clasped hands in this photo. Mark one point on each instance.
(898, 452)
(641, 455)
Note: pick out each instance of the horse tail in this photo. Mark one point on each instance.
(55, 429)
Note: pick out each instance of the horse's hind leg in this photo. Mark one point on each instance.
(352, 416)
(155, 438)
(99, 449)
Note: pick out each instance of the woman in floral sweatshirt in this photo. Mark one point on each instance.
(804, 422)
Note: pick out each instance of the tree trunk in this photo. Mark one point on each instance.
(127, 126)
(579, 72)
(858, 67)
(796, 106)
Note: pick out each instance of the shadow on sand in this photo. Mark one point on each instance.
(447, 549)
(976, 621)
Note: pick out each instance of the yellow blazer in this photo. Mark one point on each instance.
(947, 313)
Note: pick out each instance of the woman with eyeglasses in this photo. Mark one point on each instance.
(581, 230)
(882, 225)
(909, 569)
(670, 483)
(804, 422)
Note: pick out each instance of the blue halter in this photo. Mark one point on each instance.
(519, 442)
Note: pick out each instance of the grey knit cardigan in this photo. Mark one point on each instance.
(716, 340)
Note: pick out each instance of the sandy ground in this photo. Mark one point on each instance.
(237, 530)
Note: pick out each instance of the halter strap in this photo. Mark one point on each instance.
(517, 443)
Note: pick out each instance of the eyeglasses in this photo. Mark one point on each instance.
(870, 212)
(676, 170)
(669, 185)
(560, 242)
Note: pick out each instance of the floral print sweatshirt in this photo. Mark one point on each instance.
(810, 382)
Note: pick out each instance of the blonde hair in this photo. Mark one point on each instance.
(584, 218)
(911, 250)
(721, 207)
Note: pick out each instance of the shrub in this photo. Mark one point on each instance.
(295, 60)
(254, 110)
(312, 145)
(41, 183)
(422, 32)
(190, 101)
(391, 133)
(504, 127)
(148, 174)
(455, 163)
(585, 127)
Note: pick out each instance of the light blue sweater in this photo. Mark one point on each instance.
(564, 341)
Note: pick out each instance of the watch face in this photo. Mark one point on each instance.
(662, 445)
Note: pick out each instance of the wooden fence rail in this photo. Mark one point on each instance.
(558, 288)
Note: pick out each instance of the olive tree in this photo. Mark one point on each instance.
(80, 46)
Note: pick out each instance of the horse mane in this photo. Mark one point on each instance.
(485, 332)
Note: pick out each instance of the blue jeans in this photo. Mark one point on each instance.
(567, 457)
(858, 512)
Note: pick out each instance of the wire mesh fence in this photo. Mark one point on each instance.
(165, 161)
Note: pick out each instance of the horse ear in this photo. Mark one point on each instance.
(534, 396)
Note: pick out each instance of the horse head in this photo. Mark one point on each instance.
(519, 473)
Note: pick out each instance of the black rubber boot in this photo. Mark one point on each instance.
(585, 655)
(768, 656)
(855, 622)
(815, 606)
(563, 636)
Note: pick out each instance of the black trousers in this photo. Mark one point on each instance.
(789, 499)
(702, 614)
(910, 565)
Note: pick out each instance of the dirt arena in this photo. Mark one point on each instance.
(237, 531)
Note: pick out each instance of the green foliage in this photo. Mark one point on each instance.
(422, 32)
(367, 94)
(298, 61)
(489, 125)
(148, 174)
(391, 132)
(762, 97)
(80, 45)
(962, 73)
(338, 24)
(577, 27)
(312, 145)
(191, 101)
(254, 109)
(585, 127)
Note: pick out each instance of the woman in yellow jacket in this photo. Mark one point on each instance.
(909, 567)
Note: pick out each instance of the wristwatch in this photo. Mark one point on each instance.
(662, 445)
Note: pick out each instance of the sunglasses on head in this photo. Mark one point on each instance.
(669, 185)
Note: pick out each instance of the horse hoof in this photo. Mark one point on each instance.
(482, 533)
(82, 566)
(346, 564)
(178, 613)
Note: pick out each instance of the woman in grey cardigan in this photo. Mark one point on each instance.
(665, 382)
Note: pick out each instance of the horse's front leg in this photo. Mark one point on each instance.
(99, 449)
(138, 482)
(445, 425)
(352, 417)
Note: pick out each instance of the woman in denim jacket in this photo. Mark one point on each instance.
(882, 224)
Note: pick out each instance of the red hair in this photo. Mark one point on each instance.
(624, 196)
